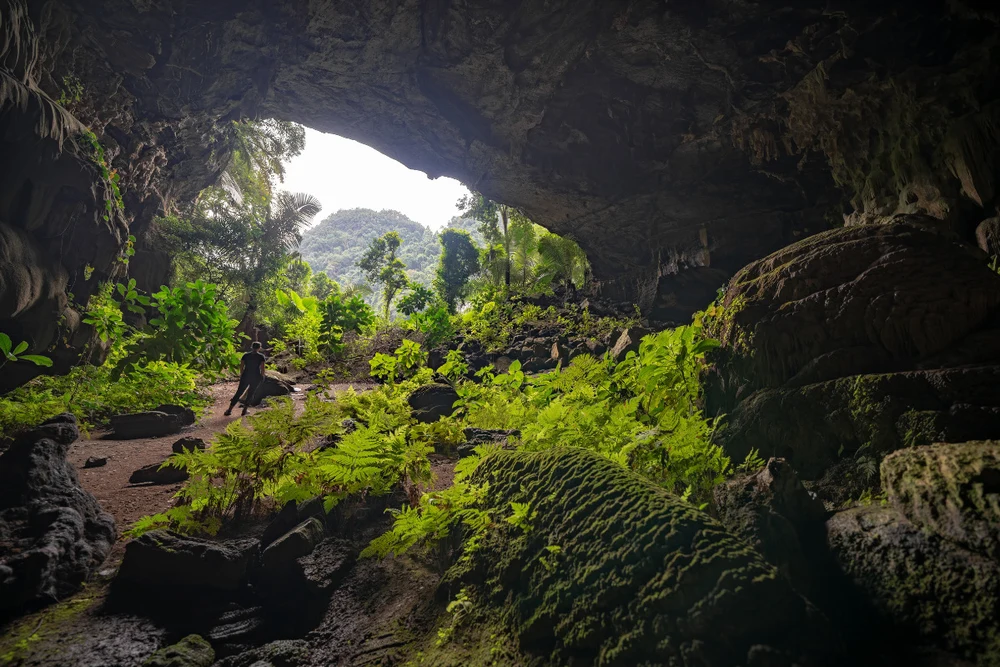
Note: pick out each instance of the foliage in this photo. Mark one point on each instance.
(270, 459)
(459, 262)
(381, 266)
(407, 359)
(322, 286)
(435, 324)
(341, 315)
(192, 327)
(643, 413)
(93, 395)
(416, 300)
(561, 261)
(303, 325)
(454, 366)
(113, 199)
(11, 352)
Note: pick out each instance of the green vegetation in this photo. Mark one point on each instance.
(382, 267)
(336, 245)
(459, 263)
(10, 352)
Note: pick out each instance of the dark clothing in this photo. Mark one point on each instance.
(252, 363)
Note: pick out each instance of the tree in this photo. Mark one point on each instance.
(382, 267)
(562, 261)
(321, 286)
(459, 262)
(497, 222)
(416, 300)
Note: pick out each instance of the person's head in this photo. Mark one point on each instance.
(255, 346)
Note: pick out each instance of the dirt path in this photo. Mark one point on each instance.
(129, 502)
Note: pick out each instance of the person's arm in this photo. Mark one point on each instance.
(262, 360)
(243, 363)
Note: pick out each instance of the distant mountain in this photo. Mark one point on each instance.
(335, 245)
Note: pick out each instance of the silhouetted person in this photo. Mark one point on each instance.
(251, 375)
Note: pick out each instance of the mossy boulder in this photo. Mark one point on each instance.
(864, 417)
(919, 582)
(613, 570)
(951, 490)
(192, 651)
(849, 301)
(775, 514)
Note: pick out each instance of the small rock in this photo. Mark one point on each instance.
(431, 402)
(157, 473)
(95, 462)
(298, 542)
(165, 560)
(558, 352)
(988, 236)
(187, 444)
(628, 341)
(151, 424)
(192, 651)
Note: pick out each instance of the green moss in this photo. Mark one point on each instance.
(19, 640)
(638, 576)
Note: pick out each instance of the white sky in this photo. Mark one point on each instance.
(342, 173)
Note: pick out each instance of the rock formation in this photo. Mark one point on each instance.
(53, 534)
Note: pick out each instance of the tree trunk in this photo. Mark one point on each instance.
(506, 248)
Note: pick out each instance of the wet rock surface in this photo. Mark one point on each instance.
(53, 534)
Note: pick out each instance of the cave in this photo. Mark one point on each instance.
(806, 158)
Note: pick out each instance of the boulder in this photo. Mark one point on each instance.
(431, 402)
(274, 384)
(152, 424)
(95, 462)
(187, 444)
(988, 236)
(192, 651)
(676, 578)
(185, 415)
(951, 490)
(166, 560)
(775, 514)
(558, 352)
(861, 418)
(158, 473)
(852, 300)
(298, 542)
(918, 582)
(53, 534)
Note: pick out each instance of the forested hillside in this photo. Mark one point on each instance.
(335, 245)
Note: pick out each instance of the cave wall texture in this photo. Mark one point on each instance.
(675, 141)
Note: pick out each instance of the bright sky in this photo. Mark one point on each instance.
(342, 173)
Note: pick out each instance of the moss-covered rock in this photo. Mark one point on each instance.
(774, 513)
(612, 570)
(952, 490)
(865, 417)
(853, 300)
(920, 582)
(192, 651)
